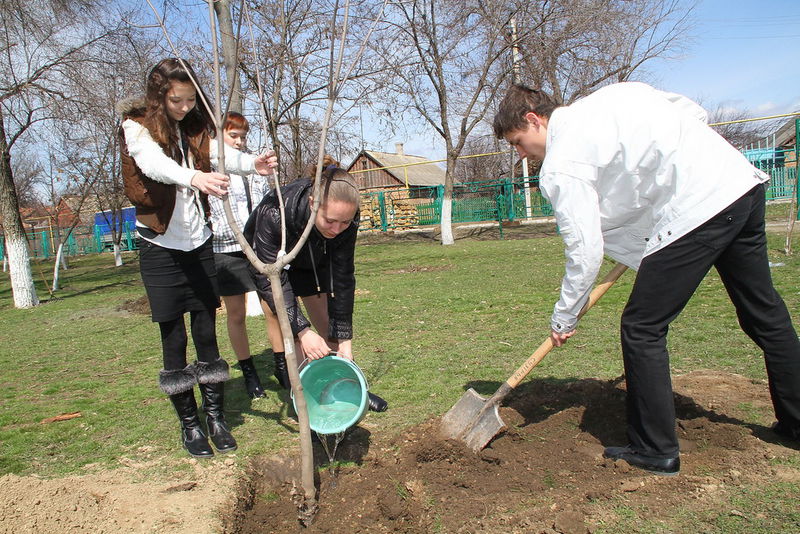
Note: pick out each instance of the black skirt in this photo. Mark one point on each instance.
(233, 273)
(177, 281)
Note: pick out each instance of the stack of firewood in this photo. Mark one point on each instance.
(404, 214)
(370, 213)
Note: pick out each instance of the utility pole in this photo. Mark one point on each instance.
(515, 56)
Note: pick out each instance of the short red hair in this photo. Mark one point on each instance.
(235, 121)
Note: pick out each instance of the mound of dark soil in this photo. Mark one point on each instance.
(140, 306)
(545, 474)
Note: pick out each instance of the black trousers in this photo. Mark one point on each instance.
(735, 243)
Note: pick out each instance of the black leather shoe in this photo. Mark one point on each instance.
(377, 404)
(786, 432)
(251, 381)
(281, 372)
(659, 466)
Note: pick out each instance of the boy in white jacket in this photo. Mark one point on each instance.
(637, 174)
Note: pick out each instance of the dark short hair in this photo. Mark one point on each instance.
(518, 101)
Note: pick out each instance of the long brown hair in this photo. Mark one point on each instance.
(157, 120)
(336, 183)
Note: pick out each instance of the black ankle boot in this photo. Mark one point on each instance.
(377, 404)
(251, 381)
(194, 440)
(281, 371)
(213, 397)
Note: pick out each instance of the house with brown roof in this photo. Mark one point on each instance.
(386, 170)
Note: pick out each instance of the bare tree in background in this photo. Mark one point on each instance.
(29, 176)
(87, 140)
(37, 53)
(571, 47)
(458, 66)
(736, 133)
(484, 168)
(291, 51)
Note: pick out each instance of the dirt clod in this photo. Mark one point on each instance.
(570, 522)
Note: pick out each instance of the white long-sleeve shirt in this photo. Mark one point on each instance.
(187, 228)
(629, 170)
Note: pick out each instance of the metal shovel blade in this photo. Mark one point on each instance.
(473, 419)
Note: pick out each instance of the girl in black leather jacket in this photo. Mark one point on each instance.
(322, 274)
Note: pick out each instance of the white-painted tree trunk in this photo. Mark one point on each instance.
(447, 220)
(58, 265)
(20, 268)
(117, 255)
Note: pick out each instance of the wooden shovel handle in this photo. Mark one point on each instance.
(599, 290)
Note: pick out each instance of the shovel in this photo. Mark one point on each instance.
(475, 419)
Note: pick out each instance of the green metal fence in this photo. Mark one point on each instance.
(503, 200)
(82, 240)
(782, 183)
(499, 201)
(779, 165)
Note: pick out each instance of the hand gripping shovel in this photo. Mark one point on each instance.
(475, 419)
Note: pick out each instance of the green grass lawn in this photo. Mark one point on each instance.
(429, 321)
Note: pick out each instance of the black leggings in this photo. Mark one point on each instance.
(174, 340)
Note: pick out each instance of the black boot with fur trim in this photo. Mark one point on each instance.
(194, 440)
(211, 372)
(218, 431)
(177, 380)
(179, 385)
(212, 376)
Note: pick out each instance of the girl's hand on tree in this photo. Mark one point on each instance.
(313, 345)
(266, 163)
(211, 183)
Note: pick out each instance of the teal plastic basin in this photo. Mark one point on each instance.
(336, 394)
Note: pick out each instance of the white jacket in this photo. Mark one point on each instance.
(629, 170)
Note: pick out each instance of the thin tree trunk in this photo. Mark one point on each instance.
(59, 257)
(787, 249)
(307, 503)
(22, 287)
(229, 53)
(446, 223)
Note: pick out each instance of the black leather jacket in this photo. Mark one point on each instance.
(318, 255)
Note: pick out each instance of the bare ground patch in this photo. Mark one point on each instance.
(545, 474)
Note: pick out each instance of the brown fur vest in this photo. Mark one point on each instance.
(155, 201)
